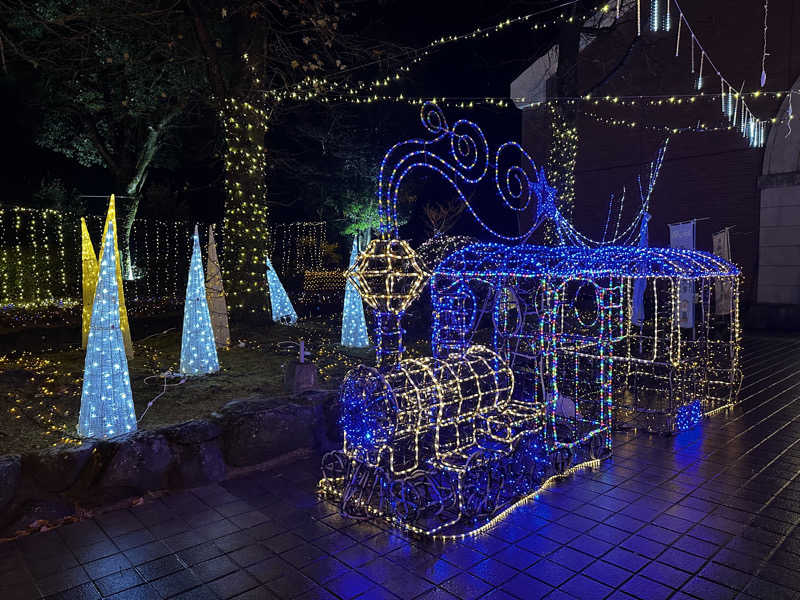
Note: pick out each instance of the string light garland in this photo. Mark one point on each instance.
(749, 126)
(755, 128)
(316, 87)
(589, 99)
(106, 398)
(198, 347)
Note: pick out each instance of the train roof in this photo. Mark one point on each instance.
(525, 260)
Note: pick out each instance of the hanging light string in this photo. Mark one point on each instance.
(524, 102)
(569, 235)
(698, 127)
(750, 127)
(764, 53)
(312, 87)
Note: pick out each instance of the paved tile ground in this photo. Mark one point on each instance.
(712, 513)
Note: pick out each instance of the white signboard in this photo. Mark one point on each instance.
(682, 235)
(640, 284)
(722, 289)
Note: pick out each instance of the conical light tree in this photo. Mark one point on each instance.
(111, 218)
(354, 325)
(198, 350)
(106, 399)
(215, 294)
(89, 271)
(282, 309)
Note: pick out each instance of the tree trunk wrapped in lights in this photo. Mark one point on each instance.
(111, 219)
(198, 350)
(246, 215)
(354, 325)
(215, 295)
(106, 399)
(561, 165)
(90, 270)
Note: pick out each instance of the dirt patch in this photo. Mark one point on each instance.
(40, 392)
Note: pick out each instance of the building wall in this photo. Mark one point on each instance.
(708, 176)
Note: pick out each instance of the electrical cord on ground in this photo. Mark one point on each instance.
(154, 335)
(166, 375)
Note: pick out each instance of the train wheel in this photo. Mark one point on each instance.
(481, 489)
(334, 464)
(406, 500)
(597, 447)
(447, 489)
(561, 460)
(474, 492)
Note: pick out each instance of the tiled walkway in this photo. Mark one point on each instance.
(711, 513)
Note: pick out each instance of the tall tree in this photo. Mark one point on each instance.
(262, 58)
(114, 78)
(328, 156)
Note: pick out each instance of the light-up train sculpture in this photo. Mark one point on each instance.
(443, 445)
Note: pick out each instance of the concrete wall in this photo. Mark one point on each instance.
(779, 246)
(705, 175)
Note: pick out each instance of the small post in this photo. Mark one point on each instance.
(303, 353)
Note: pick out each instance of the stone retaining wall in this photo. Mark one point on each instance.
(60, 482)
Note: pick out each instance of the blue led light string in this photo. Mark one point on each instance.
(467, 161)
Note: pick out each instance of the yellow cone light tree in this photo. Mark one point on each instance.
(111, 218)
(90, 270)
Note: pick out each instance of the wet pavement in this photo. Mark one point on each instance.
(711, 513)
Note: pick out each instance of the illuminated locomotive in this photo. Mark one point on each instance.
(442, 445)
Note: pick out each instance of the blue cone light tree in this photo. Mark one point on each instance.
(106, 399)
(198, 348)
(354, 325)
(282, 309)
